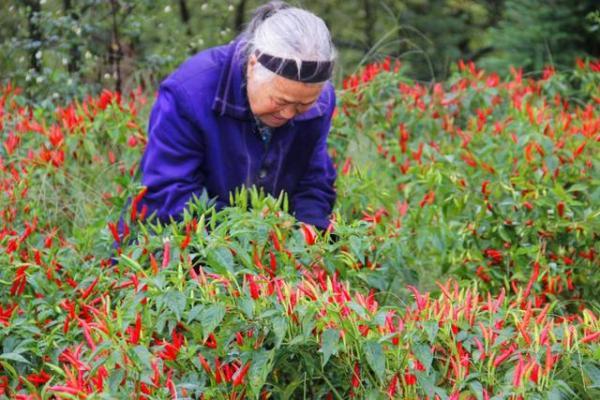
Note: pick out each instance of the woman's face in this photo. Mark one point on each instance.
(276, 101)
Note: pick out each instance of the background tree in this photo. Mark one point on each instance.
(70, 48)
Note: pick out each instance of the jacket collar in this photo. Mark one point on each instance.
(231, 99)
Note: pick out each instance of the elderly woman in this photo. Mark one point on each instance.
(254, 112)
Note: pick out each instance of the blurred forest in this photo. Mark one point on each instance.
(70, 48)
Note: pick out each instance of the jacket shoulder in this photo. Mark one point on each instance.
(197, 78)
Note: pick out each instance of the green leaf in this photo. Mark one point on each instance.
(114, 380)
(211, 317)
(578, 187)
(357, 308)
(431, 328)
(427, 382)
(175, 301)
(262, 364)
(358, 247)
(194, 313)
(280, 327)
(375, 358)
(374, 394)
(329, 343)
(131, 263)
(594, 374)
(246, 304)
(14, 357)
(221, 260)
(424, 355)
(477, 389)
(144, 355)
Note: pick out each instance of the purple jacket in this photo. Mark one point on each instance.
(201, 137)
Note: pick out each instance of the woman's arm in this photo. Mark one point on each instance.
(314, 197)
(171, 163)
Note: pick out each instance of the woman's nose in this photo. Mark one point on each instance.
(288, 112)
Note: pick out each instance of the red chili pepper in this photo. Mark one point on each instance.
(579, 150)
(592, 337)
(156, 375)
(19, 281)
(186, 241)
(309, 234)
(113, 229)
(134, 337)
(238, 377)
(218, 372)
(549, 360)
(391, 391)
(90, 288)
(204, 363)
(272, 263)
(166, 254)
(171, 387)
(239, 338)
(256, 259)
(153, 264)
(65, 389)
(560, 209)
(356, 375)
(519, 370)
(275, 240)
(211, 342)
(253, 287)
(347, 165)
(87, 334)
(484, 190)
(227, 372)
(504, 355)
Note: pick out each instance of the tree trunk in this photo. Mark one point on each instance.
(239, 16)
(184, 13)
(369, 23)
(116, 50)
(74, 53)
(35, 33)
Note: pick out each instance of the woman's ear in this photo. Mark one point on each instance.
(251, 64)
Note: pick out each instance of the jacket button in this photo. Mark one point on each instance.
(262, 173)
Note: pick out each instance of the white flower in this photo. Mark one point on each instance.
(69, 81)
(204, 6)
(38, 54)
(230, 8)
(88, 55)
(107, 76)
(168, 9)
(39, 79)
(65, 61)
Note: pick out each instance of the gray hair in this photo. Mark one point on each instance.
(288, 32)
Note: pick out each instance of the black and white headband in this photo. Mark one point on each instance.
(310, 71)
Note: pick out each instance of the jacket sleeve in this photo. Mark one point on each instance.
(171, 164)
(314, 197)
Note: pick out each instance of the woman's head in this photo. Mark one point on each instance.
(289, 58)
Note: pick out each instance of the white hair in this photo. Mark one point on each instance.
(287, 32)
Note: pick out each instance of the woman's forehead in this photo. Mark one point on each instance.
(294, 92)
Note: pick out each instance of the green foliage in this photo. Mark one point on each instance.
(67, 49)
(489, 187)
(534, 33)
